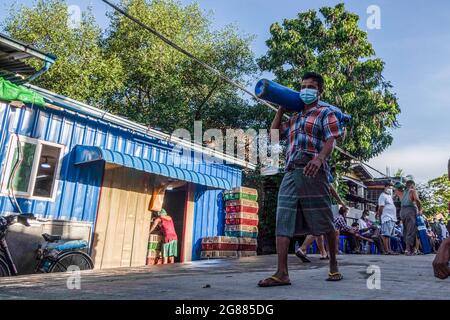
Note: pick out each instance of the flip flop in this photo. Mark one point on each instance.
(299, 253)
(336, 276)
(324, 258)
(275, 282)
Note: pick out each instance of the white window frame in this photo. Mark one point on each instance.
(10, 154)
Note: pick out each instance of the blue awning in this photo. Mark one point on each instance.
(86, 154)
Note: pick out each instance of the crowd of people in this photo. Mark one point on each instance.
(387, 234)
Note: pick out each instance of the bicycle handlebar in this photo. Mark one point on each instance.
(6, 221)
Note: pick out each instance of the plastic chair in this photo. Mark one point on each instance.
(342, 243)
(312, 249)
(373, 249)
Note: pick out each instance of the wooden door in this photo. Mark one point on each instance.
(123, 218)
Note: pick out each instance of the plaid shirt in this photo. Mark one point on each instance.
(340, 224)
(307, 133)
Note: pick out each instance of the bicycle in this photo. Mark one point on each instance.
(54, 256)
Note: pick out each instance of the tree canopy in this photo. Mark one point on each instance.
(82, 71)
(329, 41)
(435, 196)
(130, 72)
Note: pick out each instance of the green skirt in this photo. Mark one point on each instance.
(170, 249)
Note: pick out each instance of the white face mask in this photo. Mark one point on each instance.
(388, 191)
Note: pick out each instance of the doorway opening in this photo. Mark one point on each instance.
(174, 204)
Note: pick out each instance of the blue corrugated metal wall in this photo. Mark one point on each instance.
(79, 187)
(209, 214)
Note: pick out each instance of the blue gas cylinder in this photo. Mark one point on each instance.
(72, 245)
(290, 99)
(423, 237)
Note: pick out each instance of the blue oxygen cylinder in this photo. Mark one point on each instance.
(423, 237)
(290, 99)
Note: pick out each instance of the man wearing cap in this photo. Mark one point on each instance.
(410, 207)
(388, 214)
(170, 245)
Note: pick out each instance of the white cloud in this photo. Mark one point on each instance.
(423, 161)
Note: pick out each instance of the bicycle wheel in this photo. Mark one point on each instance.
(73, 258)
(4, 269)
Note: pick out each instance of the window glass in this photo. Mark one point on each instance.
(46, 172)
(22, 176)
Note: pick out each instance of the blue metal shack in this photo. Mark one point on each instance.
(79, 145)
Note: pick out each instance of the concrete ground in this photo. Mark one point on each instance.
(401, 278)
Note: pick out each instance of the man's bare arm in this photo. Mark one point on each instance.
(335, 195)
(154, 224)
(440, 263)
(417, 200)
(448, 169)
(276, 123)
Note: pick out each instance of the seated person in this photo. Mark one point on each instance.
(359, 237)
(369, 230)
(398, 237)
(342, 228)
(432, 238)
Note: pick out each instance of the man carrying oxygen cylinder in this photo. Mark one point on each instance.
(304, 199)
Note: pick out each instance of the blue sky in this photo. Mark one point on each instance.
(414, 42)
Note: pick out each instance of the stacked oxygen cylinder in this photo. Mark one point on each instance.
(241, 226)
(154, 255)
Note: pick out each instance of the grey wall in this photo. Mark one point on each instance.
(23, 241)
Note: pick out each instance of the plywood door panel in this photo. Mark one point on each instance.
(130, 224)
(143, 218)
(123, 212)
(101, 225)
(117, 196)
(123, 219)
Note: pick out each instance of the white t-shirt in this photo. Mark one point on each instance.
(389, 210)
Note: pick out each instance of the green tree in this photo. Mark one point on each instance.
(435, 196)
(164, 87)
(82, 71)
(132, 73)
(331, 43)
(399, 173)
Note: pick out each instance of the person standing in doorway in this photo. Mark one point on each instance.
(410, 207)
(304, 199)
(388, 214)
(170, 244)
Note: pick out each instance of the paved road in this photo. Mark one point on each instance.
(401, 278)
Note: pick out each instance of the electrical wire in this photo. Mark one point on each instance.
(219, 74)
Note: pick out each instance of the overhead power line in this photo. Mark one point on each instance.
(218, 73)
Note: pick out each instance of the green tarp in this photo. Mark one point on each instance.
(11, 92)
